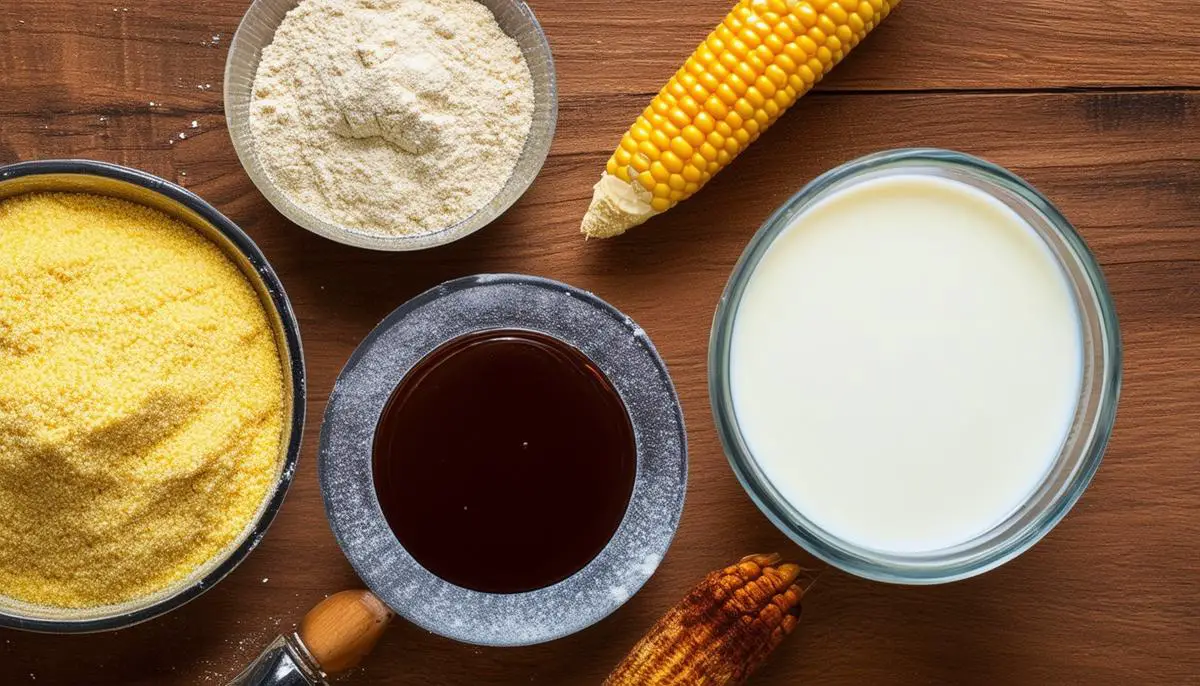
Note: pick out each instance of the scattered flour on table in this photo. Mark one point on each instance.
(391, 117)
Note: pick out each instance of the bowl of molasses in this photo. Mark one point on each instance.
(503, 459)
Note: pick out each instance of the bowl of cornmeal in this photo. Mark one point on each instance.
(151, 396)
(391, 124)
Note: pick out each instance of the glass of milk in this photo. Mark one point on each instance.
(915, 366)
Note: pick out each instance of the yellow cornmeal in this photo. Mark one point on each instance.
(141, 400)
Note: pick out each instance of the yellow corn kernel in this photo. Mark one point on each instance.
(746, 73)
(827, 25)
(774, 43)
(640, 163)
(726, 93)
(755, 98)
(744, 109)
(672, 162)
(837, 14)
(648, 150)
(766, 86)
(681, 147)
(715, 105)
(785, 32)
(647, 181)
(757, 63)
(692, 136)
(659, 139)
(737, 83)
(659, 173)
(806, 14)
(750, 38)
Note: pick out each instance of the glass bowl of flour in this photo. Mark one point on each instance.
(391, 124)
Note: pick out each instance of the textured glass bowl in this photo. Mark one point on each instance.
(1080, 454)
(257, 30)
(100, 178)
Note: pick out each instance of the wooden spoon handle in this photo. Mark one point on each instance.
(342, 629)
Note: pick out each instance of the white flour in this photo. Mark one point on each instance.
(391, 117)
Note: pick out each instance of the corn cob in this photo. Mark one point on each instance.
(721, 631)
(749, 71)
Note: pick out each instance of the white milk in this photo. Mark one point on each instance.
(906, 363)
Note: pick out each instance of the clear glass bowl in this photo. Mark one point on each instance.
(257, 30)
(1080, 455)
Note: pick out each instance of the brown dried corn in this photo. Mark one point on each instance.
(721, 631)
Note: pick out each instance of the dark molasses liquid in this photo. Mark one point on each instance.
(504, 461)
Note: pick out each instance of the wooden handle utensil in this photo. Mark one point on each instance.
(342, 629)
(333, 638)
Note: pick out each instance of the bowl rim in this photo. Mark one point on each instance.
(282, 308)
(478, 220)
(892, 567)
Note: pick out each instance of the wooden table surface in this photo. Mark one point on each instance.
(1097, 103)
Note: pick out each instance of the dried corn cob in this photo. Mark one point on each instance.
(750, 69)
(721, 631)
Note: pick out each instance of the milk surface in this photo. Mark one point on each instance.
(906, 362)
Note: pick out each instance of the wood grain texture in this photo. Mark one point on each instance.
(1096, 103)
